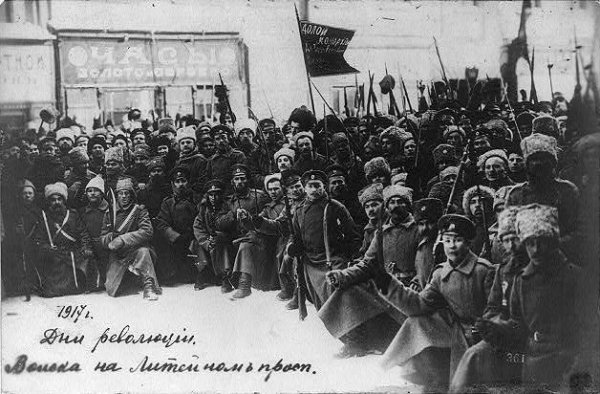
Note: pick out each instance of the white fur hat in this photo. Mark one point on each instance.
(535, 220)
(96, 182)
(186, 132)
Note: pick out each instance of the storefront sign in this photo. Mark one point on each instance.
(26, 73)
(137, 62)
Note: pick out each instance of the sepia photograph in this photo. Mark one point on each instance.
(300, 196)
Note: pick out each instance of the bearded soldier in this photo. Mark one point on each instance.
(64, 245)
(251, 262)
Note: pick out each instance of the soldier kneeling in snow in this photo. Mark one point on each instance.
(127, 233)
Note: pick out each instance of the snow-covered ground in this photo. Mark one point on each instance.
(255, 330)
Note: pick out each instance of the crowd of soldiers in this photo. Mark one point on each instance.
(453, 241)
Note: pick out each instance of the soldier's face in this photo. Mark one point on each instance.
(274, 190)
(93, 195)
(140, 160)
(373, 208)
(214, 198)
(208, 147)
(27, 195)
(245, 136)
(410, 147)
(120, 143)
(227, 121)
(426, 227)
(139, 139)
(454, 139)
(296, 191)
(15, 152)
(540, 249)
(156, 171)
(314, 189)
(124, 198)
(162, 150)
(65, 144)
(34, 151)
(50, 149)
(56, 203)
(82, 142)
(511, 243)
(284, 163)
(187, 145)
(304, 146)
(221, 142)
(294, 127)
(515, 162)
(476, 204)
(387, 145)
(113, 167)
(98, 151)
(378, 179)
(455, 246)
(495, 168)
(481, 145)
(337, 185)
(179, 184)
(240, 182)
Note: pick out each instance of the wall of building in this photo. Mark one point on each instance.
(396, 33)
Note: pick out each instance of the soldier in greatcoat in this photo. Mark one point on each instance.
(492, 360)
(544, 304)
(174, 223)
(214, 227)
(64, 245)
(127, 234)
(441, 316)
(252, 262)
(325, 236)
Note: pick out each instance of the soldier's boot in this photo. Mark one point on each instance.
(226, 286)
(243, 289)
(287, 289)
(202, 278)
(150, 292)
(293, 304)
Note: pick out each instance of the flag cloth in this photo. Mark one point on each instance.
(324, 48)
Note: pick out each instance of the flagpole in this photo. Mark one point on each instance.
(312, 101)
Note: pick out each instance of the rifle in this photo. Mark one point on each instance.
(302, 312)
(227, 101)
(261, 137)
(486, 245)
(444, 77)
(325, 132)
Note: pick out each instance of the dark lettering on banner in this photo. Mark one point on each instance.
(108, 62)
(324, 48)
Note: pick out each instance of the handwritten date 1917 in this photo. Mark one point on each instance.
(74, 312)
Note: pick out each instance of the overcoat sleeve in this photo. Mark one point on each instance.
(143, 234)
(413, 303)
(163, 222)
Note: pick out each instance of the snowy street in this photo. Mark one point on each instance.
(247, 338)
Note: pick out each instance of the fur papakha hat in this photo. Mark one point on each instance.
(96, 182)
(56, 188)
(506, 221)
(114, 153)
(535, 220)
(536, 143)
(377, 166)
(372, 192)
(397, 191)
(486, 192)
(492, 153)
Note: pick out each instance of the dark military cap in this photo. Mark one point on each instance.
(289, 177)
(266, 121)
(428, 209)
(335, 170)
(221, 129)
(314, 175)
(214, 186)
(239, 169)
(180, 172)
(491, 107)
(457, 224)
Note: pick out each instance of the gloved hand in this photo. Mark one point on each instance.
(488, 330)
(116, 244)
(336, 278)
